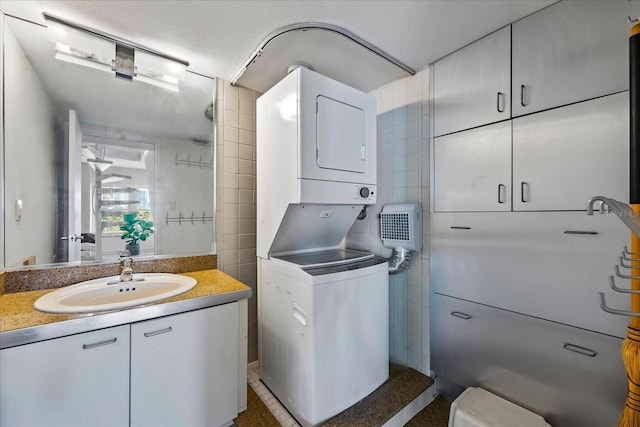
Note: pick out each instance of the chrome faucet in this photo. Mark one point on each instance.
(126, 269)
(126, 266)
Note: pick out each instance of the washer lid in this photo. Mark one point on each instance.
(307, 227)
(325, 258)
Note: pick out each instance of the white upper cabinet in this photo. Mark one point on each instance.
(472, 85)
(472, 170)
(569, 52)
(565, 156)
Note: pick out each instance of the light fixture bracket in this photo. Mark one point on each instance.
(130, 61)
(123, 65)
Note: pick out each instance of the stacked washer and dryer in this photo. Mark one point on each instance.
(322, 309)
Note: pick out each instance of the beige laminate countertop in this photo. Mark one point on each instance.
(21, 323)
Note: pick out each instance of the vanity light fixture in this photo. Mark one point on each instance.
(86, 46)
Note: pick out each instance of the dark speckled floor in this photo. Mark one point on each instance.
(403, 386)
(436, 414)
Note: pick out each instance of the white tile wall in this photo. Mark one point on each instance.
(403, 177)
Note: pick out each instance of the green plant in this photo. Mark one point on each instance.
(135, 228)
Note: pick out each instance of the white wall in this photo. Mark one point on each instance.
(183, 189)
(403, 177)
(29, 159)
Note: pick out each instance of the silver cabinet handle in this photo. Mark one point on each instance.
(580, 350)
(500, 188)
(457, 227)
(461, 315)
(158, 332)
(580, 232)
(523, 184)
(522, 93)
(99, 344)
(500, 105)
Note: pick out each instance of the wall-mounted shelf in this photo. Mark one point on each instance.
(198, 163)
(193, 218)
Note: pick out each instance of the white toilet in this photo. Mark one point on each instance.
(476, 407)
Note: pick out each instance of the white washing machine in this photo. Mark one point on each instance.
(323, 311)
(324, 337)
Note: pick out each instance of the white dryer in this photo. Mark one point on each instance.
(322, 310)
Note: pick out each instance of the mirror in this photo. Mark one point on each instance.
(82, 149)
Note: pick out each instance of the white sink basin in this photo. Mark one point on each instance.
(98, 295)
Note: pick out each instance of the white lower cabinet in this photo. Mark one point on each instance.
(543, 264)
(79, 380)
(184, 369)
(569, 376)
(179, 370)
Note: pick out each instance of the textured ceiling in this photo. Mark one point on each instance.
(217, 37)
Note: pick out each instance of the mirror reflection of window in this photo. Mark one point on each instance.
(117, 180)
(40, 92)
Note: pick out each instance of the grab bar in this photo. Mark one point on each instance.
(626, 258)
(603, 305)
(624, 276)
(613, 286)
(623, 211)
(622, 264)
(626, 251)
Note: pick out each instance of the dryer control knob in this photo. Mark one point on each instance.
(364, 192)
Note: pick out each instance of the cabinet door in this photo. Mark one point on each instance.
(569, 376)
(79, 380)
(472, 170)
(569, 52)
(565, 156)
(472, 85)
(184, 369)
(544, 264)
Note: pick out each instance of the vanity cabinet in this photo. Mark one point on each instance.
(549, 161)
(569, 52)
(78, 380)
(472, 85)
(570, 376)
(184, 369)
